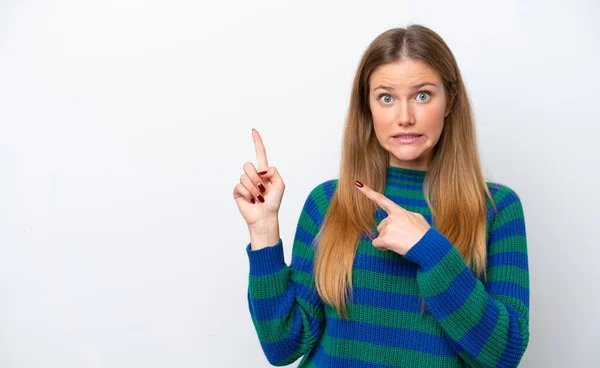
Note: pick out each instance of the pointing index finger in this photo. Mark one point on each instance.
(384, 202)
(261, 153)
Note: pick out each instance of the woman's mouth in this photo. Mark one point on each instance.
(407, 138)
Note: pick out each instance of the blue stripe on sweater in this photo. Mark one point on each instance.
(261, 259)
(516, 259)
(312, 211)
(508, 289)
(304, 236)
(329, 188)
(402, 201)
(386, 299)
(389, 336)
(302, 264)
(451, 299)
(510, 228)
(416, 187)
(473, 341)
(400, 268)
(507, 200)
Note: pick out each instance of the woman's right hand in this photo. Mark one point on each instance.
(256, 204)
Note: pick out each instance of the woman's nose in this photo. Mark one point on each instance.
(405, 114)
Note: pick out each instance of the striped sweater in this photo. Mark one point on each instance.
(467, 322)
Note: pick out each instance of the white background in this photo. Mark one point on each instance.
(124, 126)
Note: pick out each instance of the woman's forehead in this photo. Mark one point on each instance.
(404, 74)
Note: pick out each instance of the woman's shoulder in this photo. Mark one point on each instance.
(504, 197)
(317, 203)
(323, 192)
(500, 190)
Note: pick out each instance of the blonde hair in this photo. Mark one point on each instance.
(455, 188)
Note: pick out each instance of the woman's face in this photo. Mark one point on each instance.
(407, 97)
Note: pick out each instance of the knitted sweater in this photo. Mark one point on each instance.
(467, 322)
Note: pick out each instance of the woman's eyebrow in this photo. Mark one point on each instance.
(416, 86)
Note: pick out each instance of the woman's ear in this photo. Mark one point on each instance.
(448, 109)
(450, 103)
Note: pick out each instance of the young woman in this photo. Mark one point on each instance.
(410, 258)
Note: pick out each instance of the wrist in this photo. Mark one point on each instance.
(264, 233)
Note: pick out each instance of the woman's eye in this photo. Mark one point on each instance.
(421, 94)
(385, 98)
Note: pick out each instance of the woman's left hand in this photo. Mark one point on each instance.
(401, 229)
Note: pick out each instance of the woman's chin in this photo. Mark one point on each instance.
(406, 158)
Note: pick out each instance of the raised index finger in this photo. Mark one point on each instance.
(384, 202)
(261, 153)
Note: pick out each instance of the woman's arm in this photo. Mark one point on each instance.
(286, 310)
(488, 323)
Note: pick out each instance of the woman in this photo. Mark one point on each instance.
(410, 258)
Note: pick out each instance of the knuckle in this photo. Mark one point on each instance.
(240, 189)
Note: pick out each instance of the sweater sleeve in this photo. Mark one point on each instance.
(286, 310)
(488, 323)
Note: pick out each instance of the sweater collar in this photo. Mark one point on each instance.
(400, 175)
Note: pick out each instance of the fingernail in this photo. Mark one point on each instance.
(359, 184)
(261, 187)
(262, 172)
(252, 200)
(260, 198)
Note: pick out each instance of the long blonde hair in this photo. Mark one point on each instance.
(454, 182)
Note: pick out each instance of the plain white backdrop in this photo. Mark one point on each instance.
(124, 126)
